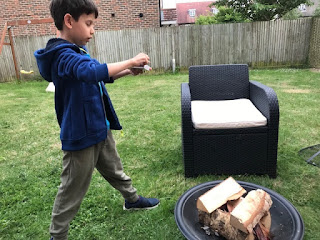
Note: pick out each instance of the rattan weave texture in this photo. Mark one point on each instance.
(228, 151)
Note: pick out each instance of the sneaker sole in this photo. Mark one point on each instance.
(147, 208)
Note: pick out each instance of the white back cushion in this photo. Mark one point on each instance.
(238, 113)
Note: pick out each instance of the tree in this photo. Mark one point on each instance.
(261, 10)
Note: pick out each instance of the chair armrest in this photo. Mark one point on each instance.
(185, 104)
(265, 99)
(187, 130)
(186, 119)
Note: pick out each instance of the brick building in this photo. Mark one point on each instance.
(113, 15)
(187, 12)
(168, 17)
(179, 12)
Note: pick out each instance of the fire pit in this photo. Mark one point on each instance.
(286, 224)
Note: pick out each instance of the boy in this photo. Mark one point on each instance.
(84, 112)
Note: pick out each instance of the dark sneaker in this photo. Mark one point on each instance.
(142, 203)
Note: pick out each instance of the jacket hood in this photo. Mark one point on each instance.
(45, 56)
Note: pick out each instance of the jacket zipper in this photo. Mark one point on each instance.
(104, 108)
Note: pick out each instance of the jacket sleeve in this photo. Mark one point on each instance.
(83, 68)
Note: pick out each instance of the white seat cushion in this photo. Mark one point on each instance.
(238, 113)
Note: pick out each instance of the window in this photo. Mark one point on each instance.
(192, 12)
(302, 8)
(214, 10)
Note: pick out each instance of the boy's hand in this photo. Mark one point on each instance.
(139, 70)
(123, 68)
(140, 60)
(136, 71)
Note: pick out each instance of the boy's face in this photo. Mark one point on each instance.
(82, 30)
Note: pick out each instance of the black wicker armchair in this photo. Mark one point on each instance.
(251, 150)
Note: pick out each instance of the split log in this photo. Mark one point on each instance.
(265, 224)
(219, 222)
(232, 204)
(227, 190)
(250, 210)
(259, 233)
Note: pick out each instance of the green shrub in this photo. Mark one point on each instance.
(225, 15)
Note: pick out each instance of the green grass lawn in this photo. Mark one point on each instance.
(150, 147)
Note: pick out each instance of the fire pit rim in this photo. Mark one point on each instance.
(184, 229)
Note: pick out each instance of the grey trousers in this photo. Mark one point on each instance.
(76, 175)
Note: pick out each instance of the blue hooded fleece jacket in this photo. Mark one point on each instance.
(83, 107)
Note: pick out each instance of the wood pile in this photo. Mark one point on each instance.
(225, 211)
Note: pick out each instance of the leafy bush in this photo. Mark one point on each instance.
(225, 15)
(292, 15)
(317, 12)
(205, 20)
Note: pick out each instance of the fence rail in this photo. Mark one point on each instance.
(276, 43)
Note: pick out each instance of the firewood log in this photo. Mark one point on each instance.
(227, 190)
(219, 221)
(232, 204)
(250, 210)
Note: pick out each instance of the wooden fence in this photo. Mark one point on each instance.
(263, 44)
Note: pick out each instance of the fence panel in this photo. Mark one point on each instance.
(314, 50)
(270, 44)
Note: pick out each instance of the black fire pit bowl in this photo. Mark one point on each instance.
(287, 223)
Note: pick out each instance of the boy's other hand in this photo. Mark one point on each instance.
(140, 60)
(136, 71)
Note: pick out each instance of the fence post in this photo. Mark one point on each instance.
(173, 35)
(314, 49)
(13, 53)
